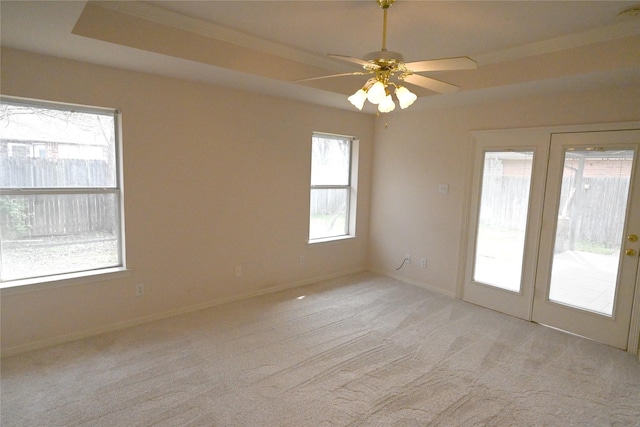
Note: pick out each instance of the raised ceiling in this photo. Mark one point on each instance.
(521, 47)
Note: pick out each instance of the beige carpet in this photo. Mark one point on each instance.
(363, 350)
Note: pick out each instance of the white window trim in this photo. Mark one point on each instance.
(21, 286)
(83, 276)
(350, 232)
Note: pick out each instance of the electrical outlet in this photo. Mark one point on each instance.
(407, 258)
(238, 271)
(301, 260)
(139, 289)
(423, 263)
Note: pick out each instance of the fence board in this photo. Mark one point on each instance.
(50, 215)
(597, 216)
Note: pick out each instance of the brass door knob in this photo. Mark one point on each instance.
(632, 238)
(630, 252)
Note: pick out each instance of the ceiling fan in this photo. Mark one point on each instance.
(389, 69)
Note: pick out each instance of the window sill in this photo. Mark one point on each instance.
(331, 239)
(62, 280)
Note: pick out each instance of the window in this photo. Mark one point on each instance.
(18, 150)
(60, 190)
(332, 211)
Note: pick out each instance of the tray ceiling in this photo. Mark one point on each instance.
(521, 47)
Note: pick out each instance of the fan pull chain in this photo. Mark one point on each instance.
(386, 123)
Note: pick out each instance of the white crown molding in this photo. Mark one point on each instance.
(214, 31)
(612, 32)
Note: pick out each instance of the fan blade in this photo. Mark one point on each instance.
(357, 73)
(459, 63)
(361, 62)
(431, 84)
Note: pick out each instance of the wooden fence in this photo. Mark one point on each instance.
(56, 214)
(328, 201)
(28, 172)
(593, 215)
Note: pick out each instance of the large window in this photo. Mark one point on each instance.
(60, 190)
(332, 211)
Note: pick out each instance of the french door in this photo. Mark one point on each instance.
(552, 229)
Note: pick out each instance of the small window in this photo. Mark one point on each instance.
(332, 210)
(18, 150)
(60, 190)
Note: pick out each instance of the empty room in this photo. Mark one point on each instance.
(320, 213)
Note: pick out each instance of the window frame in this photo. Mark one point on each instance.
(350, 187)
(116, 189)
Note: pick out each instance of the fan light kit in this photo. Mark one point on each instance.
(389, 70)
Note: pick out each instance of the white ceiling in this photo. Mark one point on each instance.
(504, 37)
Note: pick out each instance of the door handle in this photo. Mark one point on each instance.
(632, 238)
(630, 252)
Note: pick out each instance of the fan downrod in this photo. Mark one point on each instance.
(385, 5)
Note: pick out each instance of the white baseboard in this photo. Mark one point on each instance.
(451, 294)
(36, 345)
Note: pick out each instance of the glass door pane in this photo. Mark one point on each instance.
(502, 222)
(591, 218)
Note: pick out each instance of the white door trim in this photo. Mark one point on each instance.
(633, 346)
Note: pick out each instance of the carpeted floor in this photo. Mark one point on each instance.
(362, 350)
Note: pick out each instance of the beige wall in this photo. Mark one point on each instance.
(214, 178)
(419, 150)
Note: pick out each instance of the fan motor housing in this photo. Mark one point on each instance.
(384, 56)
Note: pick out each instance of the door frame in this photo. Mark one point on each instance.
(544, 133)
